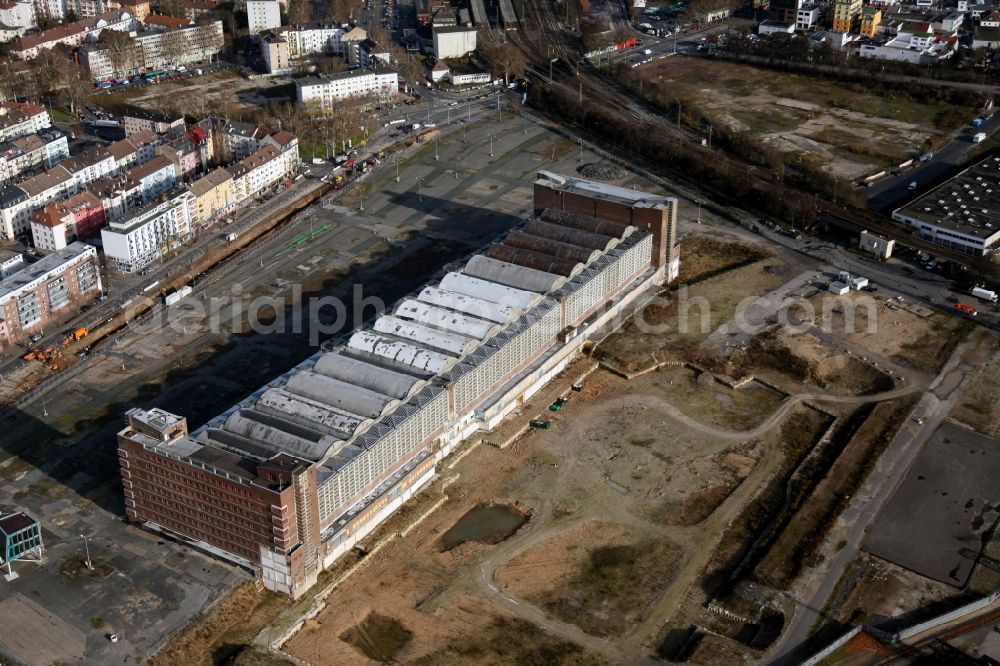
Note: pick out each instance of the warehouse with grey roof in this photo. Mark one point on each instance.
(293, 476)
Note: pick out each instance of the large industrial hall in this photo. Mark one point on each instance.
(292, 477)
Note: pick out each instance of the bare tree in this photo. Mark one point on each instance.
(339, 10)
(299, 11)
(503, 57)
(175, 8)
(410, 67)
(123, 52)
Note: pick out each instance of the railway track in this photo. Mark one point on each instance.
(544, 40)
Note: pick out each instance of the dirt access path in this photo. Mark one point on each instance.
(633, 645)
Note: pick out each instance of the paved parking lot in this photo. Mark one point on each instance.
(143, 588)
(934, 523)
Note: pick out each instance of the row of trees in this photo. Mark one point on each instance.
(504, 59)
(51, 77)
(728, 179)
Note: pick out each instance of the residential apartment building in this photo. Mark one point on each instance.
(263, 15)
(871, 18)
(213, 196)
(139, 9)
(19, 202)
(253, 175)
(35, 295)
(43, 149)
(323, 92)
(137, 120)
(317, 38)
(846, 14)
(72, 35)
(20, 14)
(134, 150)
(274, 48)
(138, 186)
(19, 118)
(85, 9)
(241, 140)
(808, 17)
(90, 165)
(156, 49)
(60, 223)
(141, 236)
(368, 54)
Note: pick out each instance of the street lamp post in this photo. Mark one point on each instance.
(436, 158)
(397, 167)
(86, 545)
(420, 191)
(491, 145)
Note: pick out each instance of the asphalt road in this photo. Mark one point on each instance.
(893, 191)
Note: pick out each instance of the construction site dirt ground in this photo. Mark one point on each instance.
(626, 496)
(617, 492)
(799, 114)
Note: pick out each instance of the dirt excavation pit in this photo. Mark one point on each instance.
(486, 523)
(801, 362)
(379, 637)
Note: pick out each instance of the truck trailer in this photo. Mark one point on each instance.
(984, 294)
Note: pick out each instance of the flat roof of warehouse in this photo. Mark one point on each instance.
(603, 190)
(968, 204)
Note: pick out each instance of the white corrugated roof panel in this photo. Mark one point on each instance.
(343, 396)
(319, 415)
(425, 336)
(443, 318)
(512, 275)
(397, 350)
(275, 433)
(470, 305)
(462, 283)
(366, 375)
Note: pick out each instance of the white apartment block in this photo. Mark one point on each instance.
(323, 93)
(142, 236)
(90, 8)
(18, 119)
(305, 40)
(135, 149)
(90, 165)
(254, 174)
(32, 296)
(39, 149)
(55, 9)
(18, 14)
(19, 202)
(199, 42)
(274, 48)
(263, 15)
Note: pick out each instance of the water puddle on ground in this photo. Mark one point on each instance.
(486, 523)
